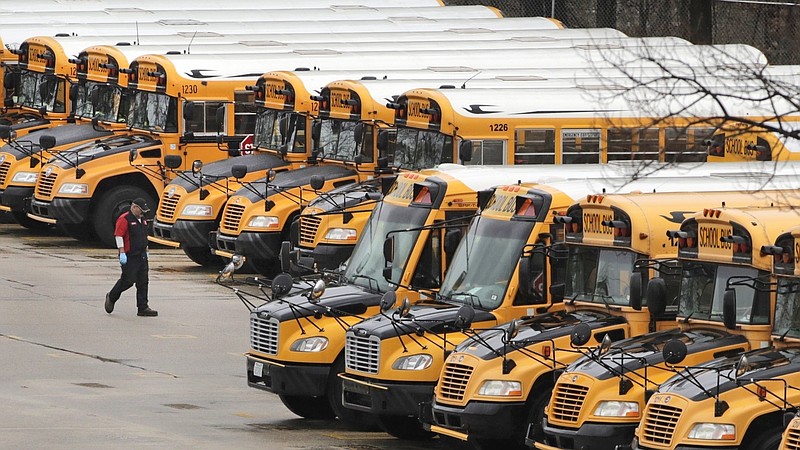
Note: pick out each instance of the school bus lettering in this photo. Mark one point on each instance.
(505, 205)
(189, 89)
(498, 127)
(415, 109)
(271, 92)
(94, 66)
(404, 191)
(144, 75)
(734, 146)
(593, 223)
(339, 101)
(708, 237)
(36, 55)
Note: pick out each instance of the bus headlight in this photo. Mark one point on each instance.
(617, 409)
(501, 388)
(312, 344)
(713, 431)
(197, 210)
(413, 362)
(263, 222)
(25, 177)
(341, 234)
(73, 188)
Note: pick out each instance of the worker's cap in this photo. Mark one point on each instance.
(141, 203)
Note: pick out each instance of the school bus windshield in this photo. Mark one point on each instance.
(276, 128)
(484, 262)
(40, 89)
(104, 101)
(337, 139)
(365, 267)
(600, 275)
(787, 309)
(153, 112)
(418, 149)
(703, 287)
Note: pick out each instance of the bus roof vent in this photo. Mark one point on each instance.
(452, 69)
(447, 86)
(199, 34)
(123, 44)
(264, 43)
(320, 52)
(369, 78)
(173, 52)
(301, 69)
(180, 22)
(63, 35)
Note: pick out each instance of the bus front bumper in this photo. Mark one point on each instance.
(635, 446)
(481, 420)
(65, 210)
(380, 397)
(257, 246)
(594, 436)
(13, 198)
(308, 380)
(183, 233)
(328, 256)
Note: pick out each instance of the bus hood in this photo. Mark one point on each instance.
(344, 197)
(64, 134)
(294, 179)
(219, 170)
(342, 300)
(114, 145)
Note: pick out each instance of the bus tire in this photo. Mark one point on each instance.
(203, 256)
(78, 231)
(308, 407)
(113, 204)
(768, 439)
(355, 420)
(22, 218)
(405, 428)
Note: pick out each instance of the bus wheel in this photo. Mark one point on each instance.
(77, 231)
(767, 440)
(308, 407)
(111, 205)
(355, 420)
(203, 256)
(21, 218)
(403, 427)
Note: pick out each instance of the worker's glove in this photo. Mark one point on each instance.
(123, 258)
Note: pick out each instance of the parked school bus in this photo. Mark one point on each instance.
(737, 400)
(785, 267)
(598, 400)
(300, 359)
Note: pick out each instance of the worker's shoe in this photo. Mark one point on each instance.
(147, 312)
(109, 304)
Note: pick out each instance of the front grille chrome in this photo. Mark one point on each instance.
(567, 401)
(4, 172)
(362, 354)
(308, 229)
(166, 210)
(660, 423)
(792, 441)
(232, 217)
(264, 334)
(44, 187)
(454, 381)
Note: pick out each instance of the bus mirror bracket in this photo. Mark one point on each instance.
(729, 309)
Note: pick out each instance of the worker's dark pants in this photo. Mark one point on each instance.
(134, 272)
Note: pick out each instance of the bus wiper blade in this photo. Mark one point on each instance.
(783, 335)
(473, 299)
(368, 278)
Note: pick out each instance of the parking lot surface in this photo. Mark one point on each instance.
(73, 376)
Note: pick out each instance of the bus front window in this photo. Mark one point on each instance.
(153, 112)
(38, 90)
(100, 100)
(599, 275)
(703, 287)
(276, 128)
(483, 264)
(337, 139)
(365, 267)
(418, 149)
(787, 309)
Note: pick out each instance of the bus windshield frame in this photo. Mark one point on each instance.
(787, 308)
(703, 286)
(600, 274)
(38, 90)
(106, 102)
(419, 149)
(152, 111)
(271, 131)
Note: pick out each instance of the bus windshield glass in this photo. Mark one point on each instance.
(787, 308)
(484, 262)
(703, 287)
(104, 101)
(420, 149)
(337, 139)
(153, 112)
(599, 275)
(275, 128)
(365, 267)
(38, 89)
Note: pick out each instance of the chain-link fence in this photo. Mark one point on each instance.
(772, 26)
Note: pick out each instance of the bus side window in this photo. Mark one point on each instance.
(580, 146)
(534, 147)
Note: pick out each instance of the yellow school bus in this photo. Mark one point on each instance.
(786, 267)
(737, 400)
(598, 400)
(493, 285)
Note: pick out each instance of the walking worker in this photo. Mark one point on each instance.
(130, 234)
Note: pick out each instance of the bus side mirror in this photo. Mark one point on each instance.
(270, 175)
(94, 97)
(465, 151)
(173, 161)
(239, 171)
(132, 155)
(464, 317)
(452, 238)
(525, 276)
(388, 300)
(220, 118)
(674, 352)
(656, 296)
(8, 81)
(316, 131)
(729, 309)
(483, 197)
(47, 141)
(317, 182)
(388, 249)
(636, 286)
(188, 111)
(557, 292)
(73, 90)
(358, 133)
(5, 132)
(581, 333)
(383, 140)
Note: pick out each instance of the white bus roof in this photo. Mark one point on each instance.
(113, 6)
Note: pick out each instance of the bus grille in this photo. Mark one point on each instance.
(167, 207)
(362, 354)
(264, 335)
(4, 171)
(308, 228)
(567, 401)
(454, 381)
(232, 217)
(660, 423)
(44, 188)
(792, 439)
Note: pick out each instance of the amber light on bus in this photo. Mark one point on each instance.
(741, 244)
(572, 221)
(686, 240)
(782, 254)
(258, 91)
(80, 64)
